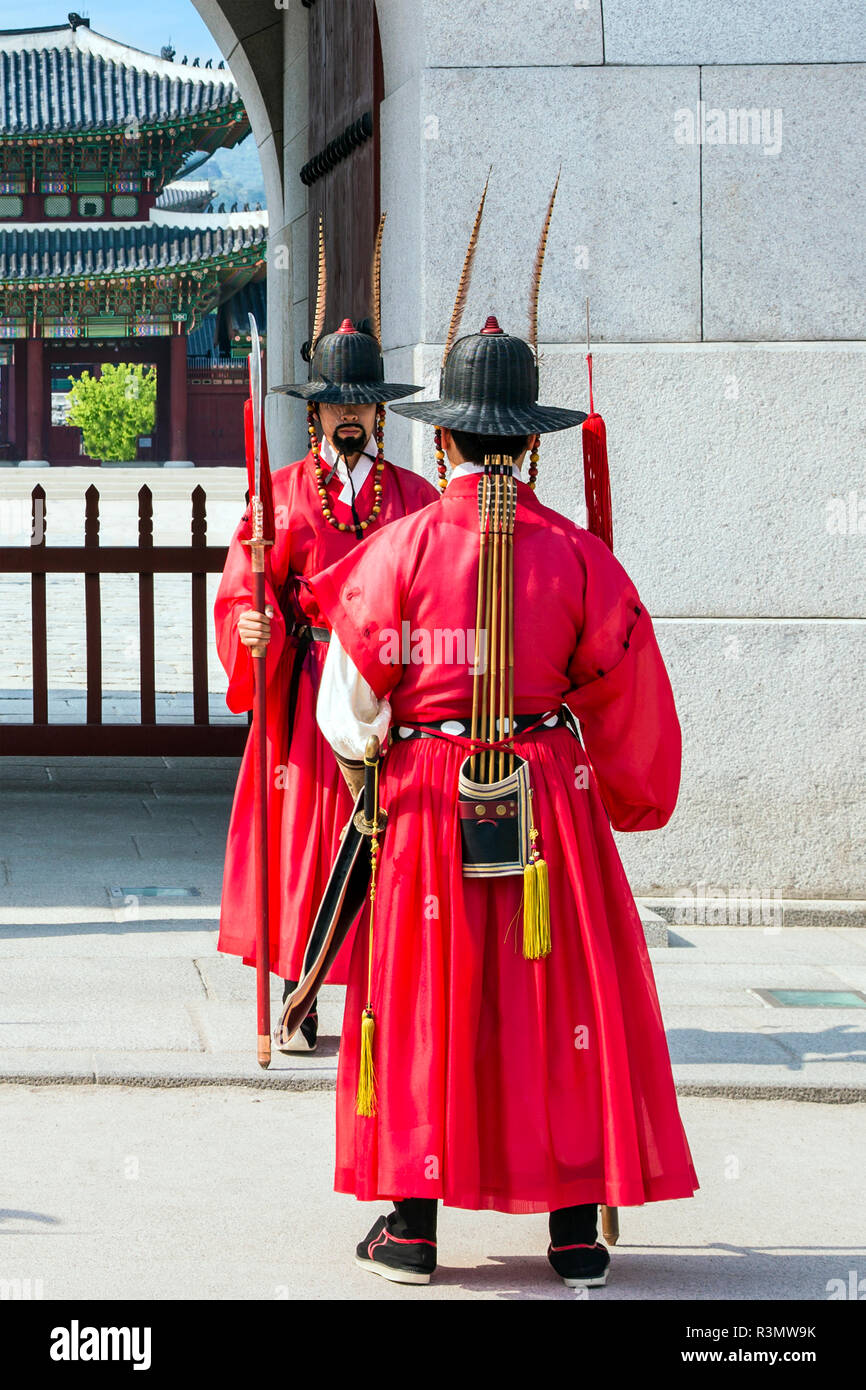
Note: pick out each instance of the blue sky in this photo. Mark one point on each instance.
(146, 26)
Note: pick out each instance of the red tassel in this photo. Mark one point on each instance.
(596, 475)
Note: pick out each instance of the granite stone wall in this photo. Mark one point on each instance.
(712, 206)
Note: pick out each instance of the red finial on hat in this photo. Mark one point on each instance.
(492, 325)
(346, 326)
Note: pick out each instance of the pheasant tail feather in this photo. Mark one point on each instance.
(321, 290)
(537, 269)
(376, 279)
(466, 276)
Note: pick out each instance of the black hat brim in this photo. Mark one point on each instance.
(491, 418)
(347, 393)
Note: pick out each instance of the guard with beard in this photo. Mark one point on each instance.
(325, 505)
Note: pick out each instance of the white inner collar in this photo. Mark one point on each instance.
(354, 481)
(462, 470)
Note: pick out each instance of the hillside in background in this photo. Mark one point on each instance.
(236, 175)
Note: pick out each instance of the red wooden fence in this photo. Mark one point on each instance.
(198, 560)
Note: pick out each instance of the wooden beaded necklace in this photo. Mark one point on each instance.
(320, 473)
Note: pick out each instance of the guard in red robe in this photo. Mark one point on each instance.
(517, 1056)
(325, 505)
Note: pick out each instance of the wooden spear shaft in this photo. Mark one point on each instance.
(260, 793)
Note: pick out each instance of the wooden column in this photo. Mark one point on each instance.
(177, 399)
(12, 379)
(35, 400)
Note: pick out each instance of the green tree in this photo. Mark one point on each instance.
(112, 410)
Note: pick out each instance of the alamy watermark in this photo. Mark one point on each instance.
(846, 516)
(439, 646)
(710, 125)
(752, 907)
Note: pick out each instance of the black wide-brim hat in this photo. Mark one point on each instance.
(348, 369)
(490, 386)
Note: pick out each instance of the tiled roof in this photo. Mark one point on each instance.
(67, 79)
(187, 195)
(43, 253)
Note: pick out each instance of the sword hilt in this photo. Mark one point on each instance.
(371, 818)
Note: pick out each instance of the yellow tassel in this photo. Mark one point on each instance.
(536, 911)
(366, 1103)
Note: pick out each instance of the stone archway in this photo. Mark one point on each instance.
(266, 48)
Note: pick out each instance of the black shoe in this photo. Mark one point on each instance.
(404, 1259)
(305, 1039)
(574, 1251)
(580, 1266)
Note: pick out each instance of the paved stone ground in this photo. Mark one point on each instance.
(110, 880)
(227, 1193)
(196, 1174)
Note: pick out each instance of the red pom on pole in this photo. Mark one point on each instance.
(596, 475)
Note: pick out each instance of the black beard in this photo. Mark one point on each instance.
(349, 439)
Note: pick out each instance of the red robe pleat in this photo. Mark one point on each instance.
(308, 802)
(503, 1083)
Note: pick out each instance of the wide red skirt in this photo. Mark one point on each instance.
(503, 1083)
(308, 806)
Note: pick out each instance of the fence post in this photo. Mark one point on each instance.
(39, 624)
(200, 711)
(92, 610)
(146, 643)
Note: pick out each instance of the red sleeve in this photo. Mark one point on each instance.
(234, 596)
(361, 597)
(623, 698)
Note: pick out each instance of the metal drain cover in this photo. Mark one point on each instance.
(812, 998)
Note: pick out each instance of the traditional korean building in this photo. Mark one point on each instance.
(107, 253)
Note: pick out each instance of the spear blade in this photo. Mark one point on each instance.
(255, 366)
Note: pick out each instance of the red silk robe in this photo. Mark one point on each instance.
(503, 1083)
(308, 802)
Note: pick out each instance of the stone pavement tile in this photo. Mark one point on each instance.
(711, 1045)
(820, 946)
(314, 1073)
(23, 777)
(121, 1025)
(189, 799)
(64, 808)
(205, 872)
(227, 766)
(722, 983)
(852, 974)
(85, 879)
(95, 983)
(834, 1082)
(789, 1220)
(108, 939)
(44, 1063)
(69, 832)
(147, 774)
(790, 1037)
(226, 979)
(817, 914)
(230, 1028)
(855, 939)
(166, 845)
